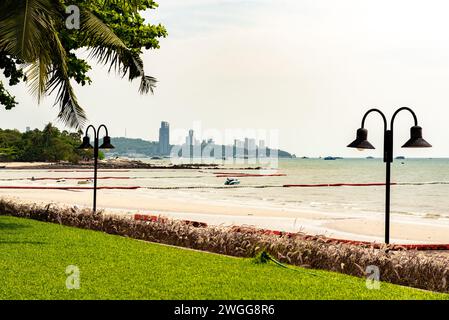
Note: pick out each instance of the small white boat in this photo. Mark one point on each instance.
(232, 182)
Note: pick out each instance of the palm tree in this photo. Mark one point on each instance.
(29, 32)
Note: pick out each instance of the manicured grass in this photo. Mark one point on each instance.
(34, 256)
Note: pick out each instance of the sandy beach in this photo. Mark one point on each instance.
(13, 165)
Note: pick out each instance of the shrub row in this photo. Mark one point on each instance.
(409, 268)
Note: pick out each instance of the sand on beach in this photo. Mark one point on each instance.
(12, 165)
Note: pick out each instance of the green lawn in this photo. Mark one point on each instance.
(34, 256)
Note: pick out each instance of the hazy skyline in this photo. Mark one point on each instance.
(308, 68)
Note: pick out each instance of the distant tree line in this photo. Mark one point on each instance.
(128, 146)
(48, 145)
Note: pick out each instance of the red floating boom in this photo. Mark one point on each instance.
(75, 178)
(87, 170)
(337, 185)
(67, 188)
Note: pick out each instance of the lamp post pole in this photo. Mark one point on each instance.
(95, 169)
(415, 141)
(86, 146)
(387, 202)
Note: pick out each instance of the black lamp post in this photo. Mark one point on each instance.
(87, 146)
(415, 141)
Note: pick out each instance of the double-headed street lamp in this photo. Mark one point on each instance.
(87, 146)
(416, 141)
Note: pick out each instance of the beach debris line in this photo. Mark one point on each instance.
(370, 184)
(88, 170)
(210, 187)
(76, 178)
(245, 175)
(99, 178)
(113, 165)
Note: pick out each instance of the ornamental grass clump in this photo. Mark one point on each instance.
(404, 267)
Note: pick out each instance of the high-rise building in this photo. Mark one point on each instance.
(190, 142)
(164, 138)
(238, 149)
(250, 147)
(262, 150)
(189, 139)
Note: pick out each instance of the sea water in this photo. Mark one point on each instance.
(425, 194)
(425, 191)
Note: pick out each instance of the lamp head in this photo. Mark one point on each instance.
(416, 140)
(361, 142)
(86, 144)
(106, 143)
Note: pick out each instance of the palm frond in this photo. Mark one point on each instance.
(70, 112)
(23, 27)
(37, 75)
(107, 48)
(125, 62)
(97, 32)
(147, 84)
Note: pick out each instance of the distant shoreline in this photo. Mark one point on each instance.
(111, 164)
(138, 164)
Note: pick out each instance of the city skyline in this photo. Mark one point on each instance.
(246, 146)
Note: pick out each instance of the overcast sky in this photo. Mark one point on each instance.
(308, 68)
